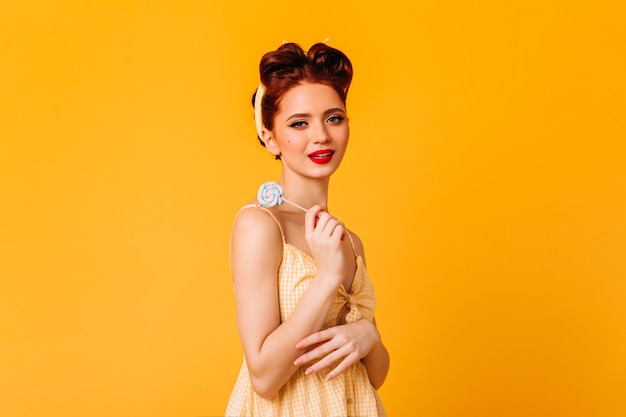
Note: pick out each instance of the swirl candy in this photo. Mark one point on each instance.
(271, 195)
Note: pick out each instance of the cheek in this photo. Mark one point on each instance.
(343, 134)
(291, 140)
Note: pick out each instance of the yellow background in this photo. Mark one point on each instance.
(486, 175)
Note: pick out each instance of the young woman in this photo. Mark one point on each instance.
(305, 304)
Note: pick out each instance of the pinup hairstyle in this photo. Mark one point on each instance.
(290, 65)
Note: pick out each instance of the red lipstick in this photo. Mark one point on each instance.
(322, 156)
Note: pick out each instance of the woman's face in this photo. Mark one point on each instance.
(310, 131)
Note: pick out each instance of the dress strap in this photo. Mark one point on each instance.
(265, 209)
(352, 243)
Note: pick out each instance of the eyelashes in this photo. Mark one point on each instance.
(333, 120)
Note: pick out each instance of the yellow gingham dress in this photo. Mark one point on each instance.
(348, 394)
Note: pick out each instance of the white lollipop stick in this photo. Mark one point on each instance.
(295, 205)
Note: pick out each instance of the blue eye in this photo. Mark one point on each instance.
(298, 125)
(335, 119)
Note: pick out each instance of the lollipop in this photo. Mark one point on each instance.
(271, 195)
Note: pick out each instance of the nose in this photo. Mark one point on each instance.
(320, 133)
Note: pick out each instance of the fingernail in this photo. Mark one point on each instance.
(308, 371)
(328, 377)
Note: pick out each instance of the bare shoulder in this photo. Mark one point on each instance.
(255, 224)
(256, 238)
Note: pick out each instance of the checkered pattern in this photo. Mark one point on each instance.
(350, 393)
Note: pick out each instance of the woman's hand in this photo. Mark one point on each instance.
(347, 343)
(323, 234)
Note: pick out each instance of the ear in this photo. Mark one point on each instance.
(270, 142)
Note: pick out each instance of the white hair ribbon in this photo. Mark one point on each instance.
(258, 116)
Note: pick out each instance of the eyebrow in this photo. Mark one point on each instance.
(329, 111)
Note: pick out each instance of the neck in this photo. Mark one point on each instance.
(306, 192)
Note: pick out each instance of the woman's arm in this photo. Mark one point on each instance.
(377, 362)
(256, 254)
(347, 344)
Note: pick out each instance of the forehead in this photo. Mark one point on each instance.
(307, 98)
